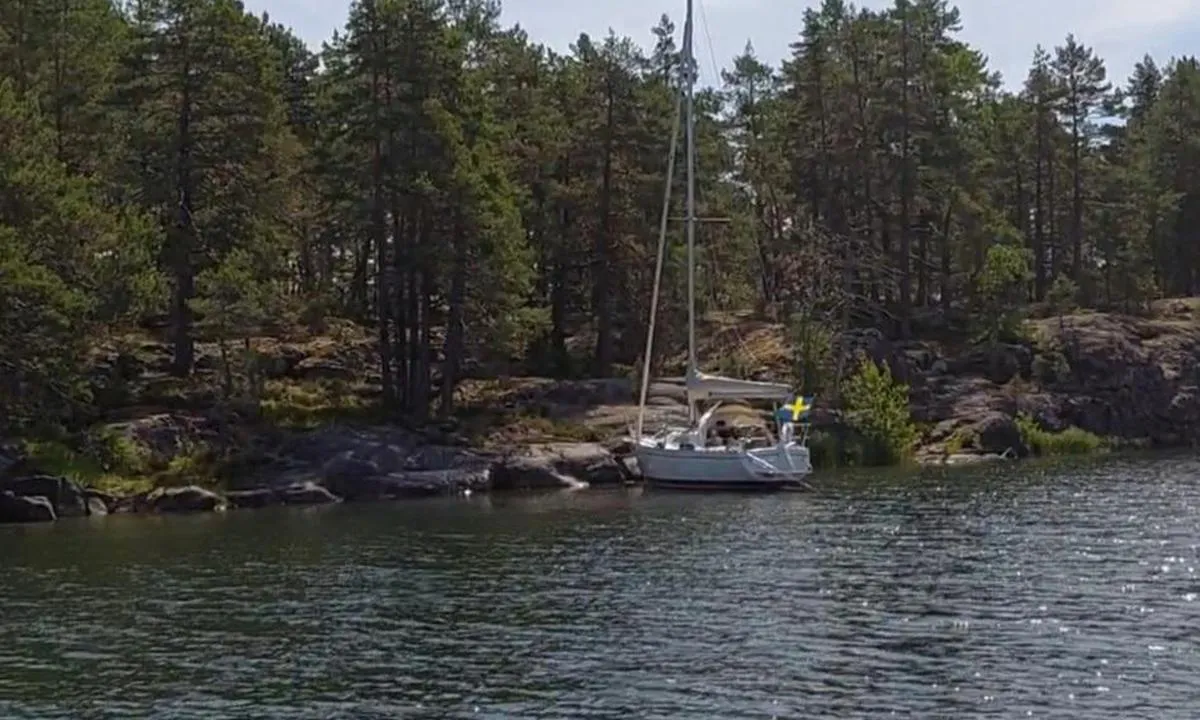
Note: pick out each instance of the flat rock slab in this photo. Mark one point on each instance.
(182, 500)
(66, 496)
(557, 465)
(306, 494)
(21, 509)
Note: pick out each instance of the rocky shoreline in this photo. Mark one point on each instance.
(1131, 380)
(333, 464)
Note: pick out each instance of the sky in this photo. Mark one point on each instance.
(1006, 31)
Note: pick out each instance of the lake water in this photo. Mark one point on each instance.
(1047, 591)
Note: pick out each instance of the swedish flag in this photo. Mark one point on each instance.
(795, 410)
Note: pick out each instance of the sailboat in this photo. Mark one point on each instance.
(683, 457)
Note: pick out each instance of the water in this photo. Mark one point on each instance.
(1029, 591)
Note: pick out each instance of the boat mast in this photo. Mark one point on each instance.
(689, 79)
(658, 270)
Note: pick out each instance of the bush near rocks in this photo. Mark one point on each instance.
(878, 408)
(1070, 441)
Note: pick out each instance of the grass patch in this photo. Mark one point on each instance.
(57, 458)
(113, 463)
(962, 439)
(195, 465)
(308, 405)
(1071, 441)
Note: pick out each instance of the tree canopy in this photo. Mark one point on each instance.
(491, 206)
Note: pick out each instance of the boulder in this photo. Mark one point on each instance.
(997, 434)
(190, 499)
(346, 468)
(165, 436)
(97, 499)
(358, 487)
(443, 457)
(973, 458)
(558, 465)
(322, 369)
(25, 509)
(130, 504)
(410, 483)
(308, 493)
(518, 472)
(421, 483)
(257, 498)
(386, 446)
(998, 363)
(68, 499)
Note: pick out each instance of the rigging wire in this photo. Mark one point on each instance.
(712, 56)
(728, 158)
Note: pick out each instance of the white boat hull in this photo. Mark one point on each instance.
(718, 468)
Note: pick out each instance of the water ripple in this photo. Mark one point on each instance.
(1055, 592)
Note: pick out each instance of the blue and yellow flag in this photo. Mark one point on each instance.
(795, 410)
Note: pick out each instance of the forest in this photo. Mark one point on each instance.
(485, 206)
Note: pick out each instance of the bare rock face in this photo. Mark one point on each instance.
(558, 465)
(308, 493)
(65, 496)
(322, 369)
(359, 464)
(168, 435)
(997, 434)
(1132, 379)
(20, 509)
(380, 464)
(253, 499)
(184, 500)
(11, 457)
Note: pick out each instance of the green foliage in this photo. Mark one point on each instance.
(846, 447)
(1071, 441)
(235, 303)
(1002, 291)
(1050, 365)
(490, 206)
(57, 457)
(824, 450)
(812, 354)
(59, 248)
(306, 405)
(1063, 296)
(194, 465)
(117, 453)
(876, 405)
(961, 439)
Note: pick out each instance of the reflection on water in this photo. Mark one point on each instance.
(1019, 591)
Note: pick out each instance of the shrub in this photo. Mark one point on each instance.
(1001, 292)
(961, 439)
(117, 453)
(877, 407)
(1071, 441)
(812, 353)
(59, 458)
